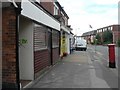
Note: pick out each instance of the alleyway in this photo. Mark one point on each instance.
(77, 71)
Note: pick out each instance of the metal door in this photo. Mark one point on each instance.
(50, 45)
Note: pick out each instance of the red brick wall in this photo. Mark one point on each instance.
(55, 55)
(8, 46)
(49, 6)
(42, 60)
(116, 32)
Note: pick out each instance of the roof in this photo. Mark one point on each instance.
(95, 31)
(89, 33)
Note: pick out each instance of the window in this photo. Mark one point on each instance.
(40, 40)
(55, 10)
(55, 38)
(111, 28)
(66, 21)
(105, 29)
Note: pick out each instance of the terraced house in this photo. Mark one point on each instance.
(115, 29)
(54, 7)
(30, 42)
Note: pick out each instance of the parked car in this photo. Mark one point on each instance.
(80, 44)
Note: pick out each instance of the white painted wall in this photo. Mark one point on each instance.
(67, 35)
(31, 11)
(65, 29)
(26, 60)
(68, 43)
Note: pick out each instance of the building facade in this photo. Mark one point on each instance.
(29, 41)
(34, 36)
(10, 74)
(115, 29)
(57, 10)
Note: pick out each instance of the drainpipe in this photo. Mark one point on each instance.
(18, 12)
(59, 43)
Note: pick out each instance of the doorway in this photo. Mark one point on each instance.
(50, 45)
(26, 60)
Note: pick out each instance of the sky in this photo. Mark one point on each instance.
(83, 13)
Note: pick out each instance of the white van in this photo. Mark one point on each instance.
(80, 44)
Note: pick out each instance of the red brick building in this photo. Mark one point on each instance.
(31, 40)
(28, 43)
(10, 74)
(114, 28)
(49, 6)
(59, 13)
(116, 33)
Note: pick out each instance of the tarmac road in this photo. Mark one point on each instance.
(100, 62)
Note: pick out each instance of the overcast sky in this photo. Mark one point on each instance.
(97, 13)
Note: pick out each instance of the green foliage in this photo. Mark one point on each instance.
(98, 39)
(107, 37)
(95, 42)
(118, 42)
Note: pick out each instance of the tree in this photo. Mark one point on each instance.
(107, 37)
(98, 37)
(118, 42)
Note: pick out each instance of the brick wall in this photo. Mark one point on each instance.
(49, 6)
(116, 33)
(9, 47)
